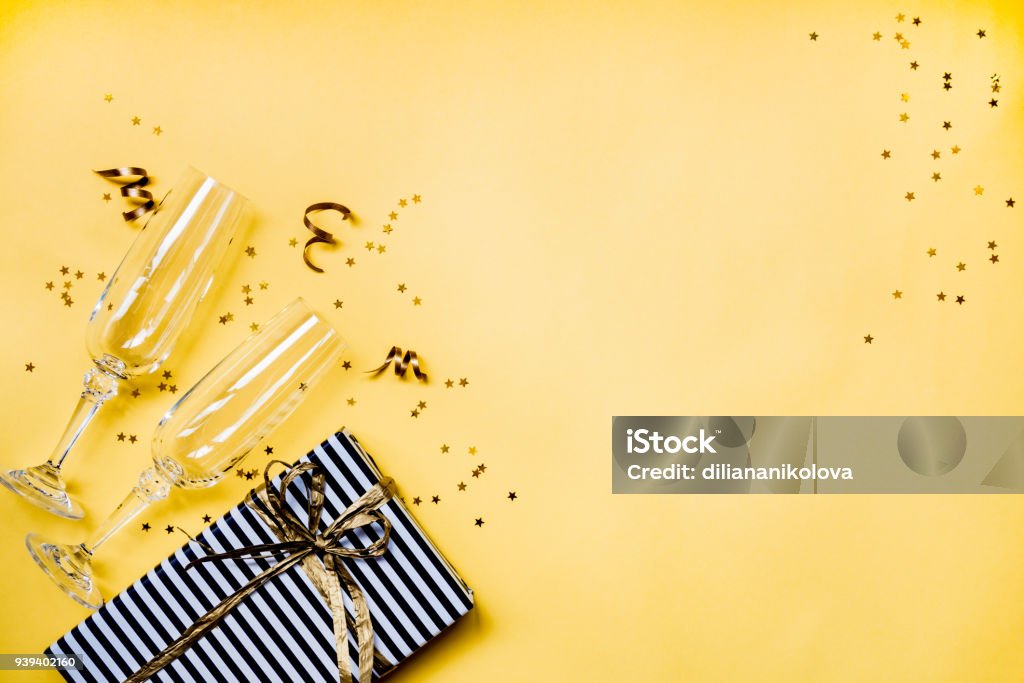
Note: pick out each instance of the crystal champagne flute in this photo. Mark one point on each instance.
(146, 305)
(210, 429)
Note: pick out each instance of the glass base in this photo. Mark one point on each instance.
(43, 485)
(69, 566)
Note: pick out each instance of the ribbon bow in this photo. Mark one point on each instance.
(319, 552)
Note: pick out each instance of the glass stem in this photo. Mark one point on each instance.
(152, 487)
(99, 386)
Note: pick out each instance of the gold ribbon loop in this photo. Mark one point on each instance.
(320, 236)
(131, 189)
(302, 542)
(402, 363)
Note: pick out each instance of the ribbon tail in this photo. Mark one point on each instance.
(209, 620)
(337, 575)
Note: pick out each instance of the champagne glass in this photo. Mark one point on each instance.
(209, 430)
(146, 305)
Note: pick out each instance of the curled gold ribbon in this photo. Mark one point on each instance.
(302, 542)
(320, 236)
(131, 189)
(402, 363)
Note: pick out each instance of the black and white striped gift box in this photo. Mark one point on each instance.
(283, 631)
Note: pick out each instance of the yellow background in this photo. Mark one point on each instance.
(628, 208)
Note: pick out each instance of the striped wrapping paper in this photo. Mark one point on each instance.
(283, 631)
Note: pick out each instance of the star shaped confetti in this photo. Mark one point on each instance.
(346, 365)
(157, 130)
(960, 299)
(941, 296)
(169, 529)
(416, 199)
(479, 521)
(868, 339)
(886, 154)
(462, 486)
(897, 294)
(146, 526)
(1010, 203)
(250, 251)
(207, 519)
(29, 367)
(512, 495)
(136, 121)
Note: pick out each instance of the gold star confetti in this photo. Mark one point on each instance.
(79, 275)
(512, 496)
(981, 33)
(898, 37)
(868, 339)
(29, 367)
(402, 203)
(264, 285)
(226, 318)
(167, 374)
(416, 301)
(421, 405)
(416, 500)
(132, 438)
(414, 413)
(369, 246)
(814, 36)
(49, 285)
(994, 258)
(64, 270)
(101, 276)
(393, 216)
(157, 130)
(346, 365)
(136, 393)
(435, 499)
(993, 103)
(886, 154)
(904, 117)
(338, 303)
(961, 267)
(67, 284)
(381, 248)
(476, 474)
(207, 519)
(136, 121)
(479, 521)
(444, 448)
(250, 252)
(897, 294)
(448, 384)
(146, 526)
(946, 125)
(169, 529)
(254, 327)
(905, 44)
(401, 287)
(351, 401)
(992, 245)
(106, 196)
(917, 21)
(471, 450)
(954, 149)
(246, 289)
(979, 190)
(1010, 203)
(162, 386)
(416, 199)
(909, 196)
(913, 66)
(463, 382)
(269, 450)
(173, 388)
(462, 486)
(936, 176)
(248, 301)
(387, 229)
(905, 97)
(936, 154)
(68, 302)
(292, 242)
(941, 296)
(108, 97)
(121, 436)
(900, 18)
(350, 262)
(876, 36)
(931, 251)
(960, 299)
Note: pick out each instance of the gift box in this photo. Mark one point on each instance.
(290, 627)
